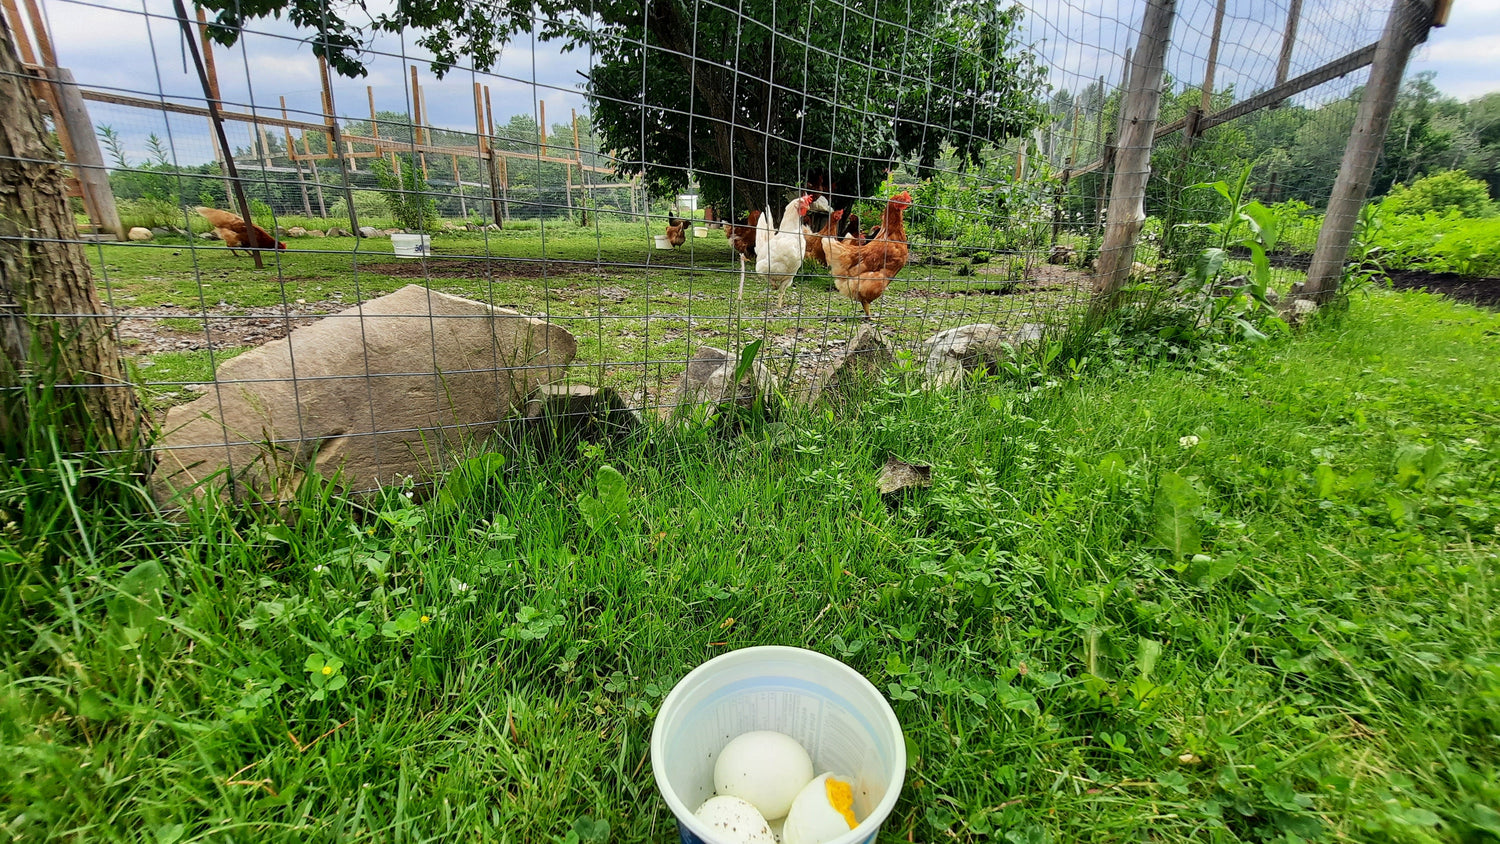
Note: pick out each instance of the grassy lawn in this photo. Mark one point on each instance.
(637, 313)
(1315, 658)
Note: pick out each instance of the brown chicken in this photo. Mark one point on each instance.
(742, 236)
(236, 233)
(676, 230)
(863, 272)
(815, 239)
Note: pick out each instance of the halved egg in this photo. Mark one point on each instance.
(766, 768)
(822, 811)
(735, 821)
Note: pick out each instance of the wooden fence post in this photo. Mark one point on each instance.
(1127, 212)
(1407, 27)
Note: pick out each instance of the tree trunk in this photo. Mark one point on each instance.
(1405, 29)
(1142, 105)
(52, 327)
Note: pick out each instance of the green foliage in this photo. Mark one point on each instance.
(150, 213)
(406, 194)
(1451, 191)
(1242, 307)
(1437, 243)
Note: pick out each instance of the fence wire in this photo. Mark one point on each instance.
(518, 175)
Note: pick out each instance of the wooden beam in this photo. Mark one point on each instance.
(18, 31)
(1139, 111)
(39, 32)
(542, 127)
(1407, 26)
(1288, 41)
(200, 111)
(1213, 58)
(1338, 67)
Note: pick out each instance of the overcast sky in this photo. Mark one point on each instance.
(114, 44)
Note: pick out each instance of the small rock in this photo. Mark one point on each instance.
(492, 227)
(368, 231)
(389, 232)
(898, 475)
(314, 233)
(160, 231)
(209, 235)
(560, 416)
(296, 231)
(1061, 254)
(470, 227)
(953, 354)
(1296, 311)
(335, 231)
(853, 368)
(139, 233)
(709, 380)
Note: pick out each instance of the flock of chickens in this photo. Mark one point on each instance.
(862, 263)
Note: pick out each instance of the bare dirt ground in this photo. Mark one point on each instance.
(1484, 292)
(146, 331)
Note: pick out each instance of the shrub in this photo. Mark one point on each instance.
(149, 213)
(1450, 190)
(407, 195)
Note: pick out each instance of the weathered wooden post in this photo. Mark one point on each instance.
(1407, 27)
(1127, 211)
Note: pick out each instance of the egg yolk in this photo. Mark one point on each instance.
(841, 798)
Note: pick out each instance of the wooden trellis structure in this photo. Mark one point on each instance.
(65, 99)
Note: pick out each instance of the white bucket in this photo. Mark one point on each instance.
(700, 231)
(842, 720)
(662, 242)
(411, 245)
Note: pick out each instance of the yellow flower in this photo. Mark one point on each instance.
(327, 669)
(426, 618)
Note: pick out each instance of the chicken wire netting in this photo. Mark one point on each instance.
(597, 176)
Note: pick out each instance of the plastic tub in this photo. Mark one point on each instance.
(700, 231)
(662, 242)
(411, 245)
(843, 721)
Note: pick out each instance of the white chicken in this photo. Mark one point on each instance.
(779, 251)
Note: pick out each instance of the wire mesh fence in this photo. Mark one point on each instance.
(672, 187)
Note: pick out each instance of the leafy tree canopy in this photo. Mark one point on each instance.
(747, 98)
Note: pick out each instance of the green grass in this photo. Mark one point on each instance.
(1320, 664)
(672, 301)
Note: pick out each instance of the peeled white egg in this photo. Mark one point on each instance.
(766, 768)
(821, 812)
(735, 821)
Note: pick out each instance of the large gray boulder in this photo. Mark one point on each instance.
(709, 380)
(953, 354)
(862, 362)
(380, 391)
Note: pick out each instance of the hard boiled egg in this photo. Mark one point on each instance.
(822, 811)
(735, 821)
(766, 768)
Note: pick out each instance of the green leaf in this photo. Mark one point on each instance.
(144, 581)
(1262, 222)
(1175, 516)
(1324, 479)
(589, 830)
(1209, 264)
(1146, 655)
(170, 833)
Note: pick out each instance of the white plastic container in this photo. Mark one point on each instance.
(700, 231)
(662, 242)
(411, 245)
(844, 722)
